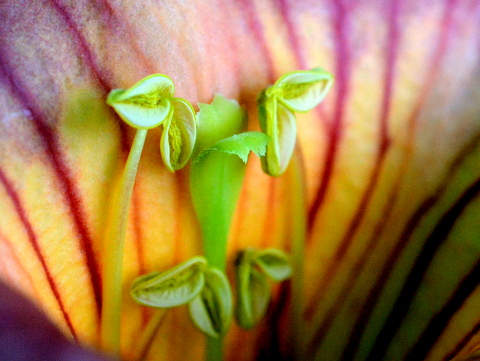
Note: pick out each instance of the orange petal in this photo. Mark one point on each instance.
(389, 154)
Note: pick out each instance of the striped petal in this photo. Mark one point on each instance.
(391, 166)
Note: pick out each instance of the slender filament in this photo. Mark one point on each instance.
(115, 231)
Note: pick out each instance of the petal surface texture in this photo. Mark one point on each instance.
(391, 162)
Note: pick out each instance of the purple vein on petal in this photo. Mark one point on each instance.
(62, 171)
(105, 83)
(430, 80)
(258, 32)
(294, 40)
(32, 237)
(87, 55)
(432, 75)
(91, 61)
(341, 23)
(383, 146)
(293, 36)
(232, 43)
(392, 44)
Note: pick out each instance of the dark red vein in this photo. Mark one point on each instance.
(412, 119)
(101, 75)
(269, 341)
(367, 309)
(440, 321)
(52, 147)
(258, 32)
(293, 37)
(436, 238)
(256, 28)
(32, 237)
(372, 298)
(81, 42)
(383, 146)
(74, 202)
(232, 44)
(341, 23)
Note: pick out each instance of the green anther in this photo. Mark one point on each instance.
(179, 134)
(252, 270)
(274, 263)
(279, 123)
(303, 90)
(298, 91)
(211, 311)
(150, 100)
(175, 141)
(146, 104)
(293, 90)
(171, 288)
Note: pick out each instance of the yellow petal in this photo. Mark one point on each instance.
(398, 132)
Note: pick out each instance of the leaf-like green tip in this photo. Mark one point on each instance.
(171, 288)
(274, 263)
(298, 91)
(211, 311)
(146, 104)
(241, 145)
(302, 90)
(179, 135)
(216, 121)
